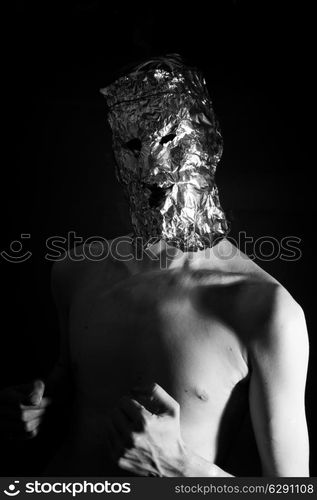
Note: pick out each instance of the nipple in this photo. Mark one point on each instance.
(201, 394)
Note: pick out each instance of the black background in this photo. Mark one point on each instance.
(57, 171)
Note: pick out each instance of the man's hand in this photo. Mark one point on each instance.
(145, 437)
(144, 434)
(21, 410)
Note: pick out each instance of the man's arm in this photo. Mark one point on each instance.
(279, 359)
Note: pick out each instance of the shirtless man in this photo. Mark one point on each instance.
(167, 350)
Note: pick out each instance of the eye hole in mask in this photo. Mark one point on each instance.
(158, 194)
(135, 145)
(167, 138)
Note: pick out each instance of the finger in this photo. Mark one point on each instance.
(34, 394)
(31, 426)
(134, 411)
(128, 465)
(32, 414)
(144, 396)
(162, 402)
(132, 462)
(45, 402)
(32, 434)
(149, 408)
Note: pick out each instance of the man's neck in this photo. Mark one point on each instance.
(161, 255)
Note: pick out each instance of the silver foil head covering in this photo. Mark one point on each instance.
(167, 145)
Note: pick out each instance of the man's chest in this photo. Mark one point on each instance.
(151, 330)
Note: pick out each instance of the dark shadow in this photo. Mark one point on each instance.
(237, 447)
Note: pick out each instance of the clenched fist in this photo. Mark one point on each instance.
(21, 410)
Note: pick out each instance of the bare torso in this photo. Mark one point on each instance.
(185, 328)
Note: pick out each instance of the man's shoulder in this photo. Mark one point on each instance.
(262, 302)
(232, 259)
(277, 337)
(266, 298)
(269, 313)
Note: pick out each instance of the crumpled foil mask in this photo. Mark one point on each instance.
(167, 145)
